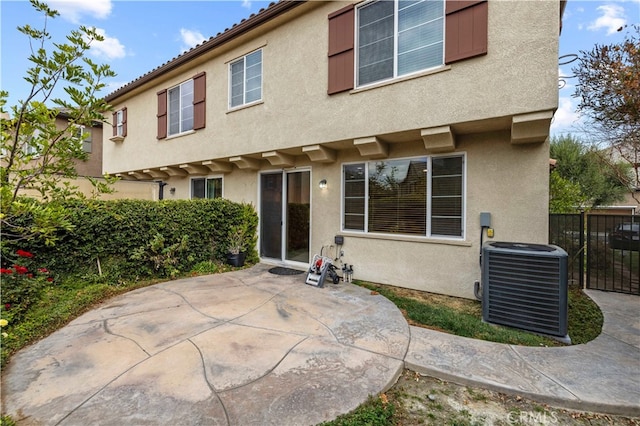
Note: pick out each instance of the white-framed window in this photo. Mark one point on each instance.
(84, 134)
(422, 196)
(180, 108)
(119, 123)
(399, 37)
(245, 80)
(206, 187)
(31, 146)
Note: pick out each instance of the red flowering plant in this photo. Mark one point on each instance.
(21, 285)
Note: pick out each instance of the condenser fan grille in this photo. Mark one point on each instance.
(526, 289)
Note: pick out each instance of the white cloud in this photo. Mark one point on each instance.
(72, 10)
(246, 4)
(190, 38)
(612, 18)
(110, 48)
(566, 78)
(566, 119)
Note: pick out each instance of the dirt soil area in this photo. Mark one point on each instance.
(424, 400)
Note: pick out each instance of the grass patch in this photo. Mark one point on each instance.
(57, 306)
(7, 421)
(585, 317)
(69, 298)
(376, 411)
(459, 320)
(463, 317)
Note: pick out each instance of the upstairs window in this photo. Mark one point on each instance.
(400, 37)
(421, 196)
(181, 108)
(119, 123)
(245, 77)
(206, 187)
(396, 38)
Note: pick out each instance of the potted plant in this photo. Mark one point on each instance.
(235, 249)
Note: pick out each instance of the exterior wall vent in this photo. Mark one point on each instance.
(525, 286)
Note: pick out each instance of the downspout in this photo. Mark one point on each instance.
(161, 185)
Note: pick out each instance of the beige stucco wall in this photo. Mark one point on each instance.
(122, 189)
(127, 190)
(518, 75)
(93, 165)
(508, 181)
(477, 97)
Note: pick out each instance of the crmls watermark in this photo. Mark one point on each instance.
(532, 418)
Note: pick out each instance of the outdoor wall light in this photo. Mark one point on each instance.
(322, 184)
(172, 191)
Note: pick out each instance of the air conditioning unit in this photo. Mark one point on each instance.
(525, 286)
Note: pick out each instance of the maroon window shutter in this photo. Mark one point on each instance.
(199, 104)
(162, 114)
(466, 29)
(114, 123)
(341, 51)
(124, 121)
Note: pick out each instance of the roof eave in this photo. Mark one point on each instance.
(237, 30)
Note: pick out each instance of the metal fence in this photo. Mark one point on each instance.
(567, 231)
(603, 252)
(613, 247)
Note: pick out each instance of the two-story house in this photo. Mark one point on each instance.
(391, 123)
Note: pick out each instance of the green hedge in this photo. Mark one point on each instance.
(111, 230)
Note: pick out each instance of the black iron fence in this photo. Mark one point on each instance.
(603, 250)
(567, 231)
(613, 247)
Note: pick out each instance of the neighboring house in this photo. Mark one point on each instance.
(392, 124)
(91, 144)
(92, 141)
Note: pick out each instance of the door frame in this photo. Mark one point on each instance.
(283, 229)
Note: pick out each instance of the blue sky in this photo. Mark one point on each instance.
(586, 23)
(142, 35)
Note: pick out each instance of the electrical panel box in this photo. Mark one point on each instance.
(485, 220)
(339, 240)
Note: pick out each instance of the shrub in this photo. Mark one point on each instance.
(21, 285)
(164, 258)
(205, 268)
(108, 233)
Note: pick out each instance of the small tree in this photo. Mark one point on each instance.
(564, 195)
(609, 92)
(582, 176)
(37, 154)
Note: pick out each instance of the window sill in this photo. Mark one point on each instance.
(401, 79)
(117, 139)
(245, 106)
(408, 238)
(179, 135)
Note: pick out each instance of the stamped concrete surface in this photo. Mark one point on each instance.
(600, 376)
(241, 348)
(253, 348)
